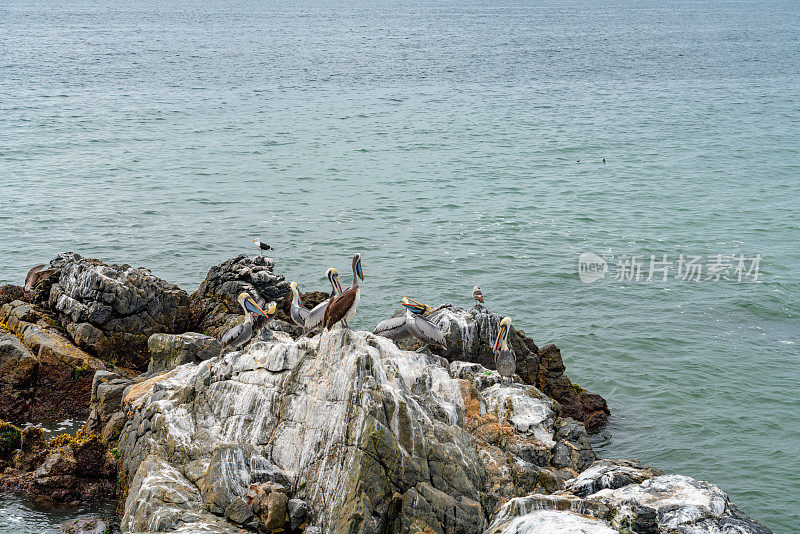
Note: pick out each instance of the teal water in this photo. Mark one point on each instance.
(441, 140)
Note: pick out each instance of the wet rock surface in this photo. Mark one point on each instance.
(111, 310)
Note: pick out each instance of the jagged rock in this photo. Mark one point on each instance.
(238, 511)
(37, 364)
(105, 416)
(111, 310)
(10, 292)
(168, 351)
(269, 503)
(297, 510)
(625, 496)
(63, 470)
(214, 303)
(371, 437)
(470, 336)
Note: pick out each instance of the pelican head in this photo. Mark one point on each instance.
(357, 265)
(413, 306)
(333, 278)
(272, 307)
(502, 334)
(296, 292)
(251, 306)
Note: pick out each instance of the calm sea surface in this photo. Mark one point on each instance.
(441, 141)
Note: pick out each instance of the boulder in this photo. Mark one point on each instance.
(168, 351)
(621, 496)
(214, 303)
(93, 525)
(37, 364)
(111, 310)
(10, 292)
(368, 436)
(470, 336)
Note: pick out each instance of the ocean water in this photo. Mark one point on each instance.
(441, 140)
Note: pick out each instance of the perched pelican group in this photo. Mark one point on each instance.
(340, 308)
(242, 332)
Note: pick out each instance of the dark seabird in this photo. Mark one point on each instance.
(504, 360)
(343, 308)
(261, 246)
(35, 276)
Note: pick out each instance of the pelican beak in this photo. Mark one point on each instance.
(500, 334)
(359, 272)
(413, 304)
(336, 277)
(251, 306)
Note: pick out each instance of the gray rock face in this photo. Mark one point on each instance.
(625, 496)
(168, 351)
(370, 437)
(105, 416)
(214, 307)
(111, 310)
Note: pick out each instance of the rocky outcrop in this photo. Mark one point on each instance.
(105, 413)
(111, 310)
(38, 363)
(10, 292)
(168, 351)
(214, 308)
(371, 437)
(470, 336)
(624, 496)
(65, 469)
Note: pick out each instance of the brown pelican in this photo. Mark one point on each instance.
(343, 308)
(261, 246)
(297, 311)
(504, 360)
(477, 294)
(317, 313)
(241, 333)
(413, 323)
(36, 275)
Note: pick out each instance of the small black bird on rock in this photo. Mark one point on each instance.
(261, 246)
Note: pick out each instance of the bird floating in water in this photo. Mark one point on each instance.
(297, 311)
(343, 308)
(504, 359)
(261, 246)
(35, 276)
(477, 294)
(241, 333)
(317, 313)
(413, 323)
(604, 160)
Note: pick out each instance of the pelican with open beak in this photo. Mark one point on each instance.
(343, 308)
(413, 323)
(297, 311)
(241, 333)
(317, 313)
(504, 359)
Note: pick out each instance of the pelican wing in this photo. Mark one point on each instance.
(299, 314)
(315, 316)
(393, 328)
(338, 307)
(36, 275)
(237, 335)
(426, 331)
